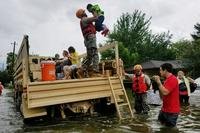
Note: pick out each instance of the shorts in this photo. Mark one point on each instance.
(73, 67)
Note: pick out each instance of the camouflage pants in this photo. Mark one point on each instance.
(141, 103)
(91, 59)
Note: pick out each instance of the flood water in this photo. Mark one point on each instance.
(11, 121)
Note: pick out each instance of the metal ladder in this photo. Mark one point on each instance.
(121, 104)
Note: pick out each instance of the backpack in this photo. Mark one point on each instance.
(193, 87)
(182, 86)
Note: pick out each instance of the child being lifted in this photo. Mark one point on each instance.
(96, 11)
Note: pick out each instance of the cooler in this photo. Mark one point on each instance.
(48, 70)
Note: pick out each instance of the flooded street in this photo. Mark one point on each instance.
(11, 121)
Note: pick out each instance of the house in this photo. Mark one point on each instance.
(152, 67)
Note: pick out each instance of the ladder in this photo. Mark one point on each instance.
(121, 104)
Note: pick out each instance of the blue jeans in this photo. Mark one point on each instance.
(99, 23)
(168, 119)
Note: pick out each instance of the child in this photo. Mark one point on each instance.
(66, 60)
(96, 11)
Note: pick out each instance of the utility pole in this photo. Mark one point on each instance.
(13, 61)
(13, 57)
(3, 66)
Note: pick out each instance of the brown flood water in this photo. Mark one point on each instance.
(11, 121)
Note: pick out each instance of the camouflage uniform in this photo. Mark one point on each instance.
(92, 57)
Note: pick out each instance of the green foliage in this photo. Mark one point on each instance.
(181, 47)
(131, 30)
(192, 57)
(5, 77)
(188, 52)
(158, 47)
(124, 53)
(138, 44)
(10, 62)
(10, 86)
(9, 58)
(196, 35)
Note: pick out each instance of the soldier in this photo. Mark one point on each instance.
(89, 34)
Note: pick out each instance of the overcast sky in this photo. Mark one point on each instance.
(52, 25)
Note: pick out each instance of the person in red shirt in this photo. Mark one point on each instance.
(169, 92)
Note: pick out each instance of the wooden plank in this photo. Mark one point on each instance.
(70, 98)
(117, 58)
(24, 73)
(19, 76)
(37, 76)
(35, 67)
(18, 70)
(34, 112)
(68, 84)
(70, 91)
(68, 81)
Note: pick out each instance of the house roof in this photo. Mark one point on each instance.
(177, 64)
(155, 64)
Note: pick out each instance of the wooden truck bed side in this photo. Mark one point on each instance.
(22, 79)
(46, 93)
(21, 68)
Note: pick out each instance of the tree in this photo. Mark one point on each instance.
(192, 57)
(158, 47)
(193, 54)
(139, 44)
(9, 70)
(181, 47)
(10, 62)
(124, 53)
(5, 78)
(131, 30)
(196, 35)
(188, 52)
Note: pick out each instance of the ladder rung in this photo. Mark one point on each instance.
(119, 100)
(123, 118)
(123, 104)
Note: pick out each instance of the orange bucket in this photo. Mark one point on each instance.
(48, 70)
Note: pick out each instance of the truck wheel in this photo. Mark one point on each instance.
(27, 120)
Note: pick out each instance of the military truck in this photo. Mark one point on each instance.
(35, 97)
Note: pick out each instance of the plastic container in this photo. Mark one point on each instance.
(48, 70)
